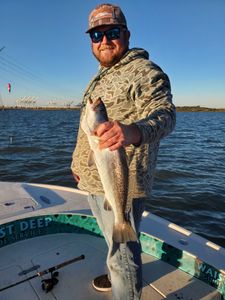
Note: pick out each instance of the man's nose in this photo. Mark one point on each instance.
(105, 40)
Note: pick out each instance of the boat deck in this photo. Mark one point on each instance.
(161, 280)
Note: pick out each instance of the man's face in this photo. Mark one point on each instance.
(109, 51)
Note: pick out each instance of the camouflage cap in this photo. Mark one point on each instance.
(106, 14)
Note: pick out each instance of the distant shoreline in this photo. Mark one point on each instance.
(179, 108)
(198, 109)
(39, 108)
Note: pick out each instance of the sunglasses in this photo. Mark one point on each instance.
(111, 34)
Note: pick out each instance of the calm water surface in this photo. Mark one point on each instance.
(189, 188)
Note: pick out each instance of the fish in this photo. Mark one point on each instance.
(113, 171)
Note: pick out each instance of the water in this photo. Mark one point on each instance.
(189, 188)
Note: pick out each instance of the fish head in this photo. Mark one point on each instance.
(95, 114)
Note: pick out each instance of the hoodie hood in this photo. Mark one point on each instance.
(130, 55)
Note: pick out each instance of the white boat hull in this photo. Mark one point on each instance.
(42, 226)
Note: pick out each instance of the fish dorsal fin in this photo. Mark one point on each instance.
(91, 159)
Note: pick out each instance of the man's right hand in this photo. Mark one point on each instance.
(113, 135)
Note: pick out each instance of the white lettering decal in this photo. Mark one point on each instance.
(33, 224)
(40, 223)
(2, 233)
(201, 267)
(10, 227)
(47, 221)
(23, 225)
(209, 271)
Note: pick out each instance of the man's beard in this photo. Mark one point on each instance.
(108, 60)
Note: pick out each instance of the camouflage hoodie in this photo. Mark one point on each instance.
(135, 90)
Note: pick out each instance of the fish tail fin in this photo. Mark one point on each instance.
(124, 232)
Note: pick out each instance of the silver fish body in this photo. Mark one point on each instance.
(113, 171)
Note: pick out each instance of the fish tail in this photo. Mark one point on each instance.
(124, 232)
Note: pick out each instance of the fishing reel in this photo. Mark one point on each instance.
(48, 284)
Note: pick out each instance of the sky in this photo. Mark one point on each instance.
(47, 55)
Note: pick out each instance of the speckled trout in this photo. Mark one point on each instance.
(113, 171)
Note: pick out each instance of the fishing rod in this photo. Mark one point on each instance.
(47, 284)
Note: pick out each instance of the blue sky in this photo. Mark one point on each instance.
(47, 53)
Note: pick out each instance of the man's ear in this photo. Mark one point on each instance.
(128, 34)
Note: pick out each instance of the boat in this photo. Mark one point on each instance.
(51, 248)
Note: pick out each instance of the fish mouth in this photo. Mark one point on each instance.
(95, 103)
